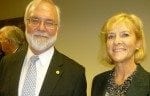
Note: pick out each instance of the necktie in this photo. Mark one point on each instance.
(30, 79)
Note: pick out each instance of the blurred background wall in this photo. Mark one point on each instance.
(81, 21)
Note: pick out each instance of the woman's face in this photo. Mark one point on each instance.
(121, 43)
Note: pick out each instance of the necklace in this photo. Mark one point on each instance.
(118, 90)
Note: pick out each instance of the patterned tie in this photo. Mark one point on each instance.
(30, 79)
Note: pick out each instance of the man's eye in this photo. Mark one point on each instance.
(49, 23)
(35, 20)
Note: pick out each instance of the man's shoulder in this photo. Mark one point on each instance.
(20, 53)
(70, 63)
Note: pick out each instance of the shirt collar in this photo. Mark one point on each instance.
(44, 57)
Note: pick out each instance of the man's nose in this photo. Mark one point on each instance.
(41, 26)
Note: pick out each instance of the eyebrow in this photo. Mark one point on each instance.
(41, 18)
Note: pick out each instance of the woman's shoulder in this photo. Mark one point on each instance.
(142, 71)
(103, 75)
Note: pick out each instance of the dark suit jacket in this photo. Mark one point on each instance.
(70, 81)
(140, 85)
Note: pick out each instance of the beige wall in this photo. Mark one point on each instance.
(12, 8)
(80, 25)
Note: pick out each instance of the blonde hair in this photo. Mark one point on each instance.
(133, 22)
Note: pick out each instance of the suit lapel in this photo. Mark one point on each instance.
(54, 73)
(16, 66)
(139, 83)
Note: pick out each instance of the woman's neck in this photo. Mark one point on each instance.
(123, 71)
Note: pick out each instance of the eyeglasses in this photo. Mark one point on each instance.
(48, 23)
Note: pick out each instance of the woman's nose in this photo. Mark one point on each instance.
(117, 40)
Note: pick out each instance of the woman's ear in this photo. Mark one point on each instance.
(138, 44)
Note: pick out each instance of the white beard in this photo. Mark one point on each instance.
(40, 41)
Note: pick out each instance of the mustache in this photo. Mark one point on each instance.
(40, 33)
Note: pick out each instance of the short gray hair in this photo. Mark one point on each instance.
(34, 3)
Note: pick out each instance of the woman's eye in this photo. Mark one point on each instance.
(110, 36)
(125, 35)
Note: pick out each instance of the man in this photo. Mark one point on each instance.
(11, 38)
(56, 74)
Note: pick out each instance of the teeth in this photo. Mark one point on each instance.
(118, 50)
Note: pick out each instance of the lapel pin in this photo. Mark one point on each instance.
(57, 72)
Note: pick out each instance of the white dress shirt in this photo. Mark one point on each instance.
(42, 65)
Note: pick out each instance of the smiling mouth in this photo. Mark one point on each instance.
(39, 36)
(119, 50)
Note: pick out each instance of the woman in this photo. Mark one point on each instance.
(123, 39)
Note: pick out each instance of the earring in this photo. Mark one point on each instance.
(137, 49)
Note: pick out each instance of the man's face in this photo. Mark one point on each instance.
(42, 27)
